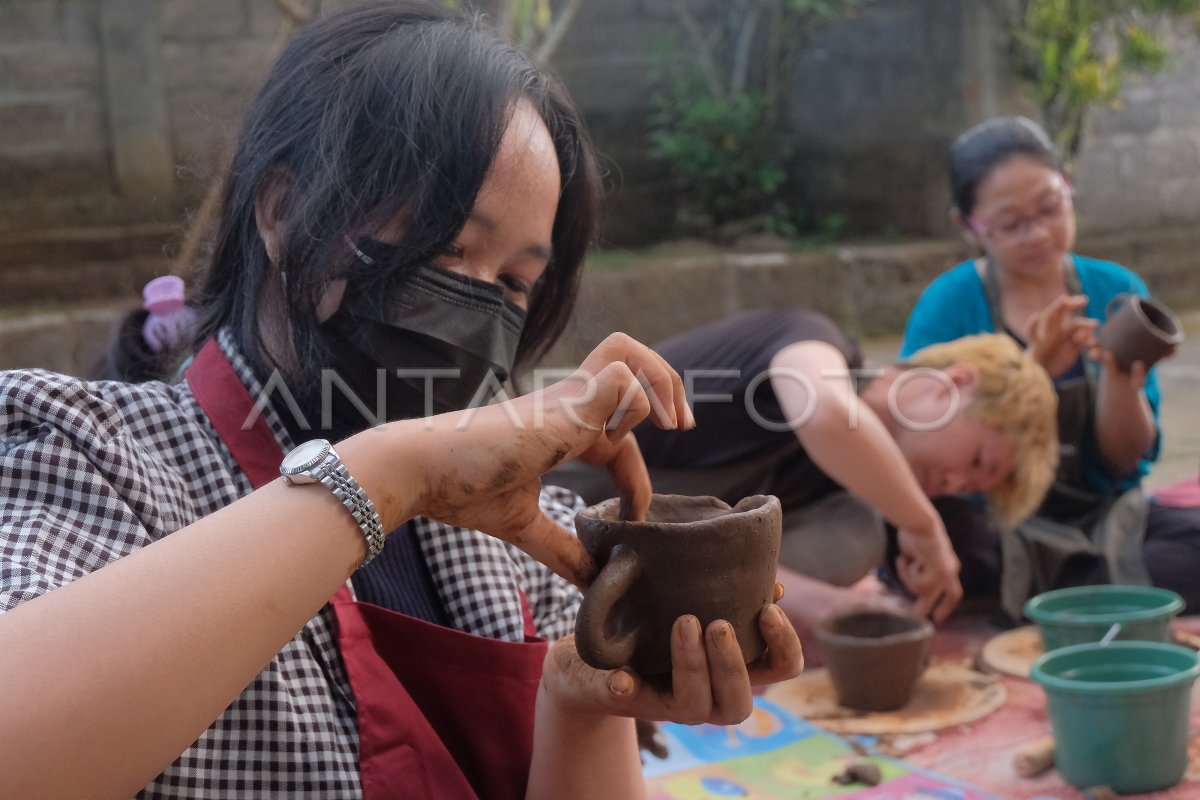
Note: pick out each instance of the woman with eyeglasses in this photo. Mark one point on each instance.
(1013, 200)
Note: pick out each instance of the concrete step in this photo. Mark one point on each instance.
(62, 291)
(37, 286)
(55, 267)
(104, 243)
(69, 339)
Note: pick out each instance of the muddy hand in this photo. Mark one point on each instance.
(624, 462)
(709, 681)
(664, 391)
(929, 569)
(483, 466)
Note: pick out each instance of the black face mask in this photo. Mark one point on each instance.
(452, 338)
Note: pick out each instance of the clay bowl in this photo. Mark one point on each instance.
(875, 657)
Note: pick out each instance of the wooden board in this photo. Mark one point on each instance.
(947, 695)
(1012, 652)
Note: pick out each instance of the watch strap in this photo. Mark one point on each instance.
(345, 488)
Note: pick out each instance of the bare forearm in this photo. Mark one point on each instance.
(1125, 427)
(866, 462)
(583, 755)
(124, 668)
(843, 435)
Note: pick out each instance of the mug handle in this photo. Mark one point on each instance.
(615, 579)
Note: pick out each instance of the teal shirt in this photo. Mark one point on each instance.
(955, 305)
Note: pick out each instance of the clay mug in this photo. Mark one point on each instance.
(691, 555)
(875, 657)
(1138, 329)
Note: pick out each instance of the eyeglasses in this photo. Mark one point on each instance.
(1051, 212)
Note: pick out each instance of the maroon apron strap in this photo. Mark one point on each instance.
(223, 396)
(442, 714)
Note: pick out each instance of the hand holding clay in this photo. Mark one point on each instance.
(625, 464)
(1139, 329)
(1132, 380)
(929, 569)
(710, 681)
(482, 467)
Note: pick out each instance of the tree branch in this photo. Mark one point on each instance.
(708, 66)
(557, 30)
(293, 9)
(741, 51)
(775, 63)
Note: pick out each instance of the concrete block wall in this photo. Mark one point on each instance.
(53, 147)
(875, 105)
(1140, 162)
(869, 290)
(605, 61)
(76, 86)
(214, 55)
(873, 108)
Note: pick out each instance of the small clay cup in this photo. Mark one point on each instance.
(1138, 329)
(875, 657)
(692, 555)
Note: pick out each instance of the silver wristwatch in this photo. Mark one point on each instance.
(316, 461)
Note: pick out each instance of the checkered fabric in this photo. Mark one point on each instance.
(92, 471)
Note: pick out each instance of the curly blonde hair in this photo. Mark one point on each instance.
(1015, 396)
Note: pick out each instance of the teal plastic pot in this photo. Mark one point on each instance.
(1083, 614)
(1119, 712)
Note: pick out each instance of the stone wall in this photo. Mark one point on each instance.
(117, 111)
(876, 106)
(872, 108)
(1140, 164)
(869, 290)
(53, 142)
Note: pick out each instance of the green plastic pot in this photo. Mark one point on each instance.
(1083, 614)
(1119, 712)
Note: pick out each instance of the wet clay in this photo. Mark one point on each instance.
(875, 657)
(692, 555)
(862, 772)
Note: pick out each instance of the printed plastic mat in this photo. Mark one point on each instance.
(775, 755)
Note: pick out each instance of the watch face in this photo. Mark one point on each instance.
(306, 456)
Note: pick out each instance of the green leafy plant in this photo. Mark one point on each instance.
(726, 163)
(1076, 53)
(717, 99)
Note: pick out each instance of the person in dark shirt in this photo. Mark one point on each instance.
(785, 405)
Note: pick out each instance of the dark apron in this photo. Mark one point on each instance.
(442, 714)
(1077, 536)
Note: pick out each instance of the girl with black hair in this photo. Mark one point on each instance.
(404, 225)
(1013, 199)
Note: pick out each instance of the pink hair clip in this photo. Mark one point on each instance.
(170, 319)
